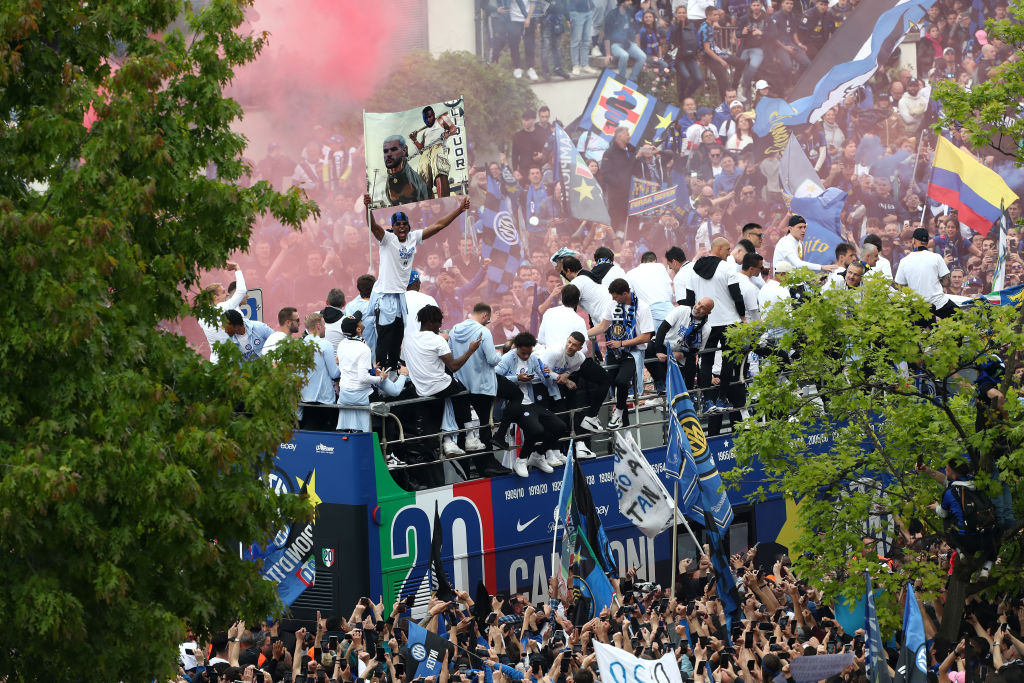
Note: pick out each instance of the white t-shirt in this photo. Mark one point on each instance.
(615, 311)
(556, 325)
(884, 266)
(651, 283)
(216, 333)
(273, 340)
(749, 291)
(717, 288)
(558, 361)
(396, 262)
(414, 301)
(736, 266)
(593, 297)
(679, 282)
(772, 293)
(422, 352)
(613, 273)
(921, 270)
(433, 134)
(678, 320)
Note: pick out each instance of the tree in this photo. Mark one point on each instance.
(130, 468)
(495, 101)
(857, 364)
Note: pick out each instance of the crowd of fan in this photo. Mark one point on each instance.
(503, 638)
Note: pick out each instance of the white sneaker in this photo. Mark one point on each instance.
(575, 71)
(592, 424)
(473, 443)
(538, 461)
(518, 73)
(587, 69)
(519, 467)
(392, 461)
(532, 75)
(452, 448)
(595, 51)
(584, 453)
(616, 420)
(554, 458)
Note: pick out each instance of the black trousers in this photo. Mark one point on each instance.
(389, 343)
(592, 385)
(623, 372)
(319, 419)
(727, 380)
(513, 397)
(540, 427)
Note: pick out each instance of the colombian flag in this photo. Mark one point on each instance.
(963, 183)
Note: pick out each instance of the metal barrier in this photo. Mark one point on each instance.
(383, 409)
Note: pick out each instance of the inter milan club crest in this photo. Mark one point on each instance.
(618, 330)
(327, 554)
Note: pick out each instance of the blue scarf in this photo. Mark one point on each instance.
(624, 328)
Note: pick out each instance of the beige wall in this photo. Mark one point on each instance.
(450, 26)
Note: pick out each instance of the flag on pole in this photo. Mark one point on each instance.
(424, 652)
(961, 182)
(643, 499)
(912, 666)
(444, 588)
(1002, 225)
(586, 546)
(859, 47)
(562, 517)
(798, 177)
(584, 199)
(878, 668)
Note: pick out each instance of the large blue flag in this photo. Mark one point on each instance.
(823, 224)
(685, 438)
(878, 667)
(845, 75)
(694, 447)
(913, 662)
(583, 196)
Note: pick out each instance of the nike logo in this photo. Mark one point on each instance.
(520, 526)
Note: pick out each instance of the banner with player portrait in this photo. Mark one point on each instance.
(417, 154)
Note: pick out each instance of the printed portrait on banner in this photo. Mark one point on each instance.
(418, 154)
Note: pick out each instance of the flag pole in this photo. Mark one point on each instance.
(675, 537)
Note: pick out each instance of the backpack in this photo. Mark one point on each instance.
(979, 512)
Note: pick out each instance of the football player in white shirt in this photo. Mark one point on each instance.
(629, 325)
(926, 272)
(790, 247)
(680, 269)
(386, 310)
(582, 384)
(429, 359)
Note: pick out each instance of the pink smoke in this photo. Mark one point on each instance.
(323, 57)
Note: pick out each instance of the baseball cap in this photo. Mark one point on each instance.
(414, 276)
(350, 323)
(796, 219)
(761, 85)
(921, 235)
(981, 36)
(784, 267)
(704, 111)
(735, 103)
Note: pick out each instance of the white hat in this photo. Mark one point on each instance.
(783, 267)
(761, 85)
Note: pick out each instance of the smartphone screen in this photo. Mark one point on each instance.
(664, 605)
(332, 643)
(748, 639)
(700, 667)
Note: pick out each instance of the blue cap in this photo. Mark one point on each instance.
(414, 276)
(704, 111)
(399, 216)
